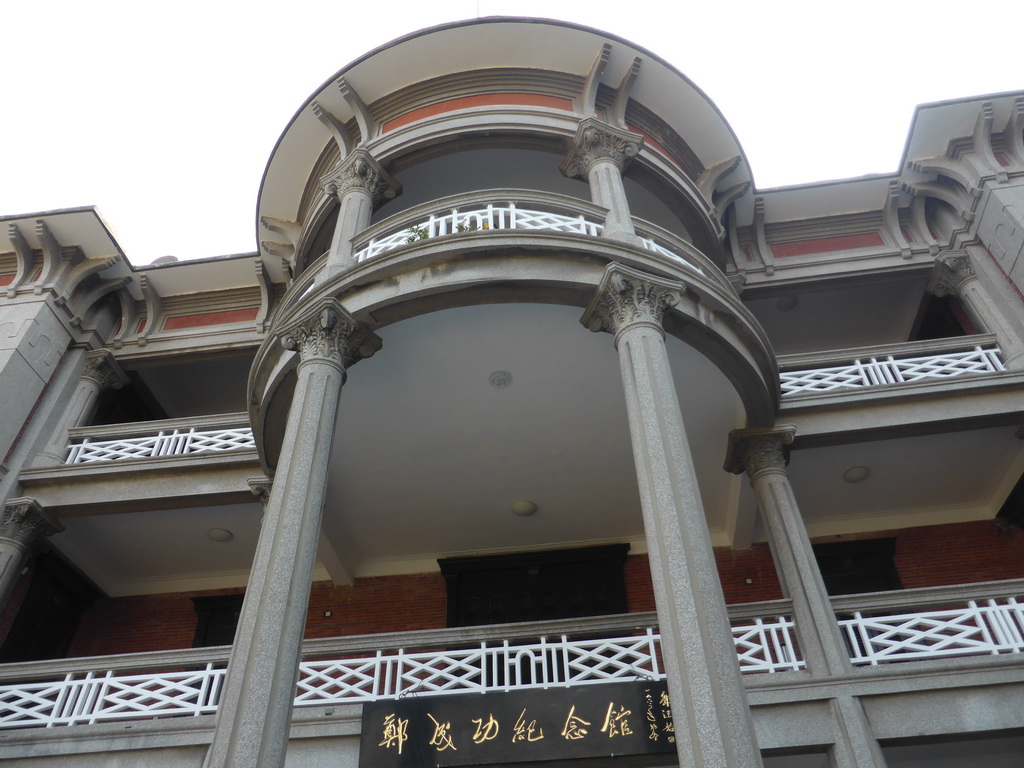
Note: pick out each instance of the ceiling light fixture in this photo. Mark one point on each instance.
(524, 508)
(500, 379)
(856, 474)
(220, 534)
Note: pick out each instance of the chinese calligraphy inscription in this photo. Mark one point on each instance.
(518, 726)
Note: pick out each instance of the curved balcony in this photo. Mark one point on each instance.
(512, 209)
(505, 211)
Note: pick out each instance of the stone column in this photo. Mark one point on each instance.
(598, 154)
(23, 526)
(955, 276)
(710, 713)
(360, 184)
(101, 372)
(254, 715)
(763, 454)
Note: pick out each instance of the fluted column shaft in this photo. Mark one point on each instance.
(955, 275)
(598, 154)
(254, 715)
(761, 454)
(712, 720)
(361, 184)
(101, 373)
(23, 525)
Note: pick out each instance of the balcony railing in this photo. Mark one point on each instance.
(892, 365)
(145, 440)
(188, 682)
(946, 622)
(95, 694)
(506, 210)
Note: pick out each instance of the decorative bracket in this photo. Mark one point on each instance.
(891, 219)
(364, 118)
(618, 112)
(764, 250)
(982, 138)
(337, 129)
(26, 259)
(586, 102)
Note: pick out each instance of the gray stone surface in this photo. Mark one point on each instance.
(712, 721)
(256, 704)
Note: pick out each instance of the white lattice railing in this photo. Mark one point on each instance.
(489, 217)
(763, 645)
(174, 442)
(881, 370)
(979, 628)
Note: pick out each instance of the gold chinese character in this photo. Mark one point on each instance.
(653, 735)
(525, 732)
(573, 729)
(395, 732)
(485, 731)
(615, 723)
(442, 738)
(665, 701)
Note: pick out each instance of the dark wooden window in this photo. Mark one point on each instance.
(49, 615)
(849, 567)
(533, 586)
(218, 618)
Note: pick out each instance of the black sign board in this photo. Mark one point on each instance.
(587, 721)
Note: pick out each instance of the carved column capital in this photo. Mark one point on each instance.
(952, 270)
(260, 487)
(596, 141)
(628, 297)
(102, 368)
(328, 333)
(24, 521)
(755, 450)
(361, 171)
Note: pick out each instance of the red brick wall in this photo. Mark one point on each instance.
(958, 553)
(926, 556)
(379, 604)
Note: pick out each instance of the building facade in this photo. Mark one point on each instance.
(530, 396)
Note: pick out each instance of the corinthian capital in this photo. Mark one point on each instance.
(755, 450)
(628, 297)
(596, 141)
(952, 270)
(102, 368)
(25, 522)
(330, 334)
(360, 171)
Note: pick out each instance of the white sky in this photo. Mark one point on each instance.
(164, 115)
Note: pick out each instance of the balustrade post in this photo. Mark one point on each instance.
(712, 721)
(955, 276)
(360, 184)
(23, 526)
(598, 154)
(101, 373)
(254, 715)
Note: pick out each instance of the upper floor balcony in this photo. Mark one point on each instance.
(916, 637)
